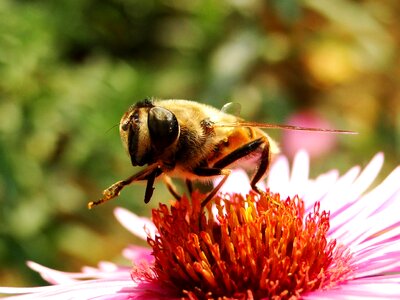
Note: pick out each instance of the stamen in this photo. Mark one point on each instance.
(249, 248)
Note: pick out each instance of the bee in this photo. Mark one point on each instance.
(192, 141)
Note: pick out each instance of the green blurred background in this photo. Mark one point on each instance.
(70, 68)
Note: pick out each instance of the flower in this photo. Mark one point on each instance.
(326, 238)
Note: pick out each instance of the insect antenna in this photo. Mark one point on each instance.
(108, 130)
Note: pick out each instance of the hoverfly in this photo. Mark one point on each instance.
(192, 141)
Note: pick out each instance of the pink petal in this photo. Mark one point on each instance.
(238, 182)
(366, 178)
(278, 178)
(88, 289)
(138, 254)
(352, 290)
(299, 176)
(139, 226)
(54, 276)
(105, 270)
(318, 188)
(334, 200)
(356, 215)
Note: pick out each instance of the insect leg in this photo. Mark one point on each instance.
(262, 168)
(207, 172)
(171, 187)
(216, 189)
(189, 186)
(218, 167)
(239, 153)
(260, 143)
(114, 190)
(150, 182)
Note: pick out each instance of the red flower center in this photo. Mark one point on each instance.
(254, 247)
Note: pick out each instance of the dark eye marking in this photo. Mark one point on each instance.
(163, 127)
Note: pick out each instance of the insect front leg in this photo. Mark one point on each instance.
(150, 173)
(150, 184)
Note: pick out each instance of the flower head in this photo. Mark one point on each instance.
(310, 239)
(259, 247)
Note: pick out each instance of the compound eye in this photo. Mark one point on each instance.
(163, 127)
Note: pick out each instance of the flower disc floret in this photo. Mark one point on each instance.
(248, 247)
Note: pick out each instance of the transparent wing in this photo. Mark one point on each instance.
(281, 126)
(232, 108)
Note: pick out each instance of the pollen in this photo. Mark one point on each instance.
(246, 248)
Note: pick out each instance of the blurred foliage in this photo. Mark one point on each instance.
(69, 69)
